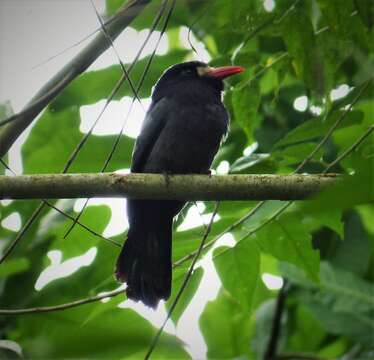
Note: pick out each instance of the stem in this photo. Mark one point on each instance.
(36, 310)
(19, 122)
(184, 284)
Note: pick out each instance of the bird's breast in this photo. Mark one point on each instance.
(190, 139)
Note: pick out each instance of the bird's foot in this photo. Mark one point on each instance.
(167, 176)
(208, 172)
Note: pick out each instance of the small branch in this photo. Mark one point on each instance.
(68, 73)
(70, 305)
(184, 284)
(139, 85)
(334, 126)
(271, 350)
(66, 214)
(353, 147)
(282, 295)
(298, 356)
(75, 152)
(156, 186)
(23, 231)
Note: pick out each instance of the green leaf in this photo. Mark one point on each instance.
(288, 240)
(350, 293)
(360, 327)
(115, 333)
(353, 254)
(188, 293)
(226, 328)
(317, 127)
(294, 154)
(113, 5)
(365, 10)
(337, 17)
(238, 268)
(246, 101)
(306, 324)
(13, 266)
(333, 220)
(264, 319)
(94, 86)
(349, 191)
(246, 162)
(301, 45)
(61, 129)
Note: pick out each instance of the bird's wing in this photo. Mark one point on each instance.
(153, 124)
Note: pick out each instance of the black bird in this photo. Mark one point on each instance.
(181, 134)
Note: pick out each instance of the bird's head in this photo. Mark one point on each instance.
(193, 75)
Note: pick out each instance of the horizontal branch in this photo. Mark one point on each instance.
(157, 186)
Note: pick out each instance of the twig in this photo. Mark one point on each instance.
(45, 309)
(216, 238)
(184, 284)
(353, 147)
(71, 46)
(71, 70)
(271, 350)
(265, 68)
(326, 28)
(273, 20)
(109, 39)
(298, 356)
(194, 22)
(66, 214)
(110, 241)
(22, 232)
(117, 140)
(78, 148)
(334, 126)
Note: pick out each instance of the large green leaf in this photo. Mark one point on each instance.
(226, 328)
(94, 86)
(246, 101)
(288, 240)
(56, 135)
(302, 46)
(349, 191)
(179, 276)
(115, 333)
(238, 268)
(317, 127)
(341, 298)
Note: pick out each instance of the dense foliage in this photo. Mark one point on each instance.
(324, 247)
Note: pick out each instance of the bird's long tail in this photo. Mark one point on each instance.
(145, 263)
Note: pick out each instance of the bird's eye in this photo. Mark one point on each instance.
(187, 72)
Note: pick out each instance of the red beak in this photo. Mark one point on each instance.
(225, 71)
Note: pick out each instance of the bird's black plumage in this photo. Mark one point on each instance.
(181, 134)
